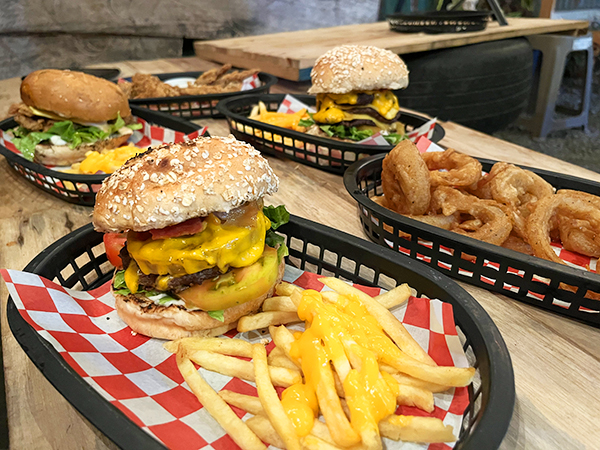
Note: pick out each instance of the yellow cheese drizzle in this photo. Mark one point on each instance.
(335, 331)
(237, 244)
(330, 111)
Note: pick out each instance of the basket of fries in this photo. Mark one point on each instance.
(139, 398)
(322, 153)
(193, 95)
(80, 188)
(565, 282)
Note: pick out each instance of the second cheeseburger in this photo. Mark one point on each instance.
(197, 254)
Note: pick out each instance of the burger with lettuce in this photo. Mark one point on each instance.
(353, 85)
(64, 114)
(194, 246)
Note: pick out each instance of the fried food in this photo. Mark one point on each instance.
(405, 180)
(485, 219)
(510, 206)
(518, 189)
(580, 212)
(352, 377)
(452, 168)
(213, 81)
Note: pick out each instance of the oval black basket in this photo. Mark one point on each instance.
(325, 154)
(315, 248)
(197, 106)
(439, 21)
(79, 188)
(545, 284)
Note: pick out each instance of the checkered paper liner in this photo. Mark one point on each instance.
(291, 105)
(252, 82)
(136, 375)
(148, 136)
(570, 258)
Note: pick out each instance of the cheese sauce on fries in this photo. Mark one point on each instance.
(344, 332)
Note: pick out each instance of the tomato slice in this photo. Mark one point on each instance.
(186, 228)
(113, 243)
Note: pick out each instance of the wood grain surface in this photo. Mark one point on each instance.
(556, 360)
(288, 55)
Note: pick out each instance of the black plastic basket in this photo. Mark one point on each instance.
(315, 248)
(532, 280)
(439, 21)
(325, 154)
(79, 188)
(197, 106)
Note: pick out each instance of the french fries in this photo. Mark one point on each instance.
(334, 366)
(216, 406)
(234, 367)
(265, 320)
(270, 401)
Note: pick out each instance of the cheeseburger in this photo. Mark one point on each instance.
(192, 242)
(65, 114)
(353, 85)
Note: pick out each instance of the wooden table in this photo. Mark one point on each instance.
(556, 360)
(291, 55)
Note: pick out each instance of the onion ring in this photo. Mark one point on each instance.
(516, 243)
(460, 169)
(564, 205)
(579, 236)
(518, 189)
(405, 180)
(495, 224)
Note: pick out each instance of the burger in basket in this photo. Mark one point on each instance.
(65, 114)
(193, 245)
(354, 84)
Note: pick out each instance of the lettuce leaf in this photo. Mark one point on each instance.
(343, 132)
(278, 216)
(394, 138)
(218, 315)
(306, 122)
(73, 134)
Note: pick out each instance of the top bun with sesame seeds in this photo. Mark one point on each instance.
(173, 183)
(74, 96)
(351, 68)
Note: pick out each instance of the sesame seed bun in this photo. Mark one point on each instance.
(172, 183)
(75, 96)
(351, 68)
(175, 322)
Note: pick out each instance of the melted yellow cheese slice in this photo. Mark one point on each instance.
(331, 111)
(237, 244)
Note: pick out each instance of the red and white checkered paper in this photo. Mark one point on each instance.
(291, 105)
(571, 259)
(139, 377)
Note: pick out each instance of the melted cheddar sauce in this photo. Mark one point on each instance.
(237, 242)
(337, 332)
(333, 108)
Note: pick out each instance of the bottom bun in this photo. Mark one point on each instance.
(175, 322)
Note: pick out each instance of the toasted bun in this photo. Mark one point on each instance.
(63, 155)
(173, 322)
(172, 183)
(357, 68)
(74, 95)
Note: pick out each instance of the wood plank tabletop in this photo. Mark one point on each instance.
(556, 360)
(290, 55)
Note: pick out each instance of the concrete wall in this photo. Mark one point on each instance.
(72, 33)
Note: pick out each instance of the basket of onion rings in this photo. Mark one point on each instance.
(526, 233)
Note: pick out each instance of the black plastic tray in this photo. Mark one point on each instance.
(315, 248)
(516, 275)
(325, 154)
(434, 22)
(197, 106)
(80, 188)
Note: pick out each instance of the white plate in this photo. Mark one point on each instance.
(181, 82)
